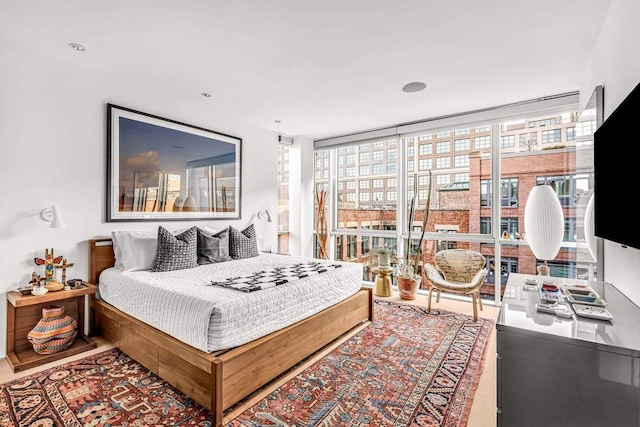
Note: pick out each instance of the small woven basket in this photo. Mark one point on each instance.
(55, 332)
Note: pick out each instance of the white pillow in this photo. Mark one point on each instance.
(134, 250)
(210, 230)
(116, 251)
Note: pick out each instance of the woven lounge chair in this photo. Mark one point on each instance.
(458, 271)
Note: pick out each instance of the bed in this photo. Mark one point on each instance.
(199, 353)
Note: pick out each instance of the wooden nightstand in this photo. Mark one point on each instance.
(24, 312)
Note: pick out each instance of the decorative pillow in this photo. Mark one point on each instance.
(243, 244)
(134, 250)
(117, 253)
(176, 252)
(213, 247)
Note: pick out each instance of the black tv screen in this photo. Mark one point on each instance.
(617, 174)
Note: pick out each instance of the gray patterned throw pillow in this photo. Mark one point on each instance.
(213, 247)
(176, 252)
(243, 244)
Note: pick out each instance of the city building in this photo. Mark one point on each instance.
(553, 149)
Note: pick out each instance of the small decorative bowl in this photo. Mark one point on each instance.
(54, 286)
(39, 291)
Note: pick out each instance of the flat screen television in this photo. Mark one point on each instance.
(617, 174)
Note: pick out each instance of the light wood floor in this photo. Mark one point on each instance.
(483, 410)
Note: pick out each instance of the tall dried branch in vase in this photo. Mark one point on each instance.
(407, 277)
(321, 223)
(427, 209)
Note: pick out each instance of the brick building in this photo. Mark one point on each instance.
(554, 150)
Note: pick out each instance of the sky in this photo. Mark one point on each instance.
(148, 149)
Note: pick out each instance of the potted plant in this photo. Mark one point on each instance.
(406, 273)
(383, 256)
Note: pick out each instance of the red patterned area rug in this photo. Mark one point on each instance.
(408, 368)
(107, 389)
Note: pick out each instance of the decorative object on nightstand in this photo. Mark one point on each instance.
(544, 224)
(38, 285)
(54, 286)
(39, 290)
(55, 332)
(49, 263)
(64, 267)
(36, 280)
(25, 290)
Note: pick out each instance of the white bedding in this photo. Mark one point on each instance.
(184, 305)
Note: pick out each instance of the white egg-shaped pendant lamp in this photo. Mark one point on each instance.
(544, 224)
(590, 227)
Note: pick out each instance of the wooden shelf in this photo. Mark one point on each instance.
(28, 358)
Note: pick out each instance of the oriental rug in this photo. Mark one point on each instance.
(408, 368)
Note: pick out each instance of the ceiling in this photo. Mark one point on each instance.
(322, 68)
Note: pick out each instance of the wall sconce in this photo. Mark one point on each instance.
(263, 213)
(53, 216)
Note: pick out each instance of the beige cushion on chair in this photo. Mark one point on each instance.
(457, 270)
(459, 265)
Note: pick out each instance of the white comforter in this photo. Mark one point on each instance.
(184, 305)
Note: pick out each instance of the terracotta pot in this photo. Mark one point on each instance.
(408, 287)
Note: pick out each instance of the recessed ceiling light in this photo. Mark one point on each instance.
(206, 94)
(278, 121)
(77, 47)
(413, 87)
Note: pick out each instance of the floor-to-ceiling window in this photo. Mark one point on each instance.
(283, 198)
(543, 149)
(479, 173)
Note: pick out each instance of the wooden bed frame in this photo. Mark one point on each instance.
(220, 379)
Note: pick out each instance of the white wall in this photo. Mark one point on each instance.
(301, 198)
(52, 151)
(615, 64)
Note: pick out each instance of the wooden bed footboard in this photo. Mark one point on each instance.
(220, 379)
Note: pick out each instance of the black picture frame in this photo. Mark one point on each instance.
(160, 169)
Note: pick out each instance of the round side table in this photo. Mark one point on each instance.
(383, 281)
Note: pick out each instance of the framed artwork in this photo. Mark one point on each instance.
(161, 170)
